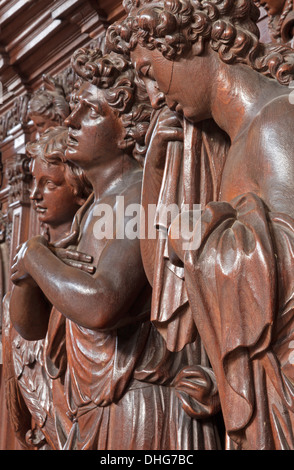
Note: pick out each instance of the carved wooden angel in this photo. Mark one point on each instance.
(123, 388)
(36, 402)
(207, 59)
(49, 105)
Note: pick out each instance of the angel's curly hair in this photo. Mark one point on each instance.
(123, 91)
(229, 26)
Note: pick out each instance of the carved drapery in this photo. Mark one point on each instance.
(27, 30)
(18, 222)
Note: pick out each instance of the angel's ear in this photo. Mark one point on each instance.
(125, 97)
(120, 96)
(198, 46)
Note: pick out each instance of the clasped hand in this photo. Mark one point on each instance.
(20, 272)
(167, 128)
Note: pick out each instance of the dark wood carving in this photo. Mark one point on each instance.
(150, 303)
(35, 38)
(48, 106)
(281, 19)
(30, 389)
(239, 277)
(17, 115)
(117, 366)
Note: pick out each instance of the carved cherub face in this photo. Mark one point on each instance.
(274, 7)
(94, 128)
(53, 196)
(48, 106)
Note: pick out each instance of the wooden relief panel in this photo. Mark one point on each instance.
(151, 230)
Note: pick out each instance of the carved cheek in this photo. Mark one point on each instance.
(163, 72)
(274, 6)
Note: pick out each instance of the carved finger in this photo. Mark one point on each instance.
(81, 266)
(14, 267)
(15, 259)
(170, 120)
(14, 279)
(73, 255)
(14, 276)
(78, 256)
(175, 134)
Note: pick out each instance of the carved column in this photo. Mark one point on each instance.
(14, 229)
(4, 266)
(19, 177)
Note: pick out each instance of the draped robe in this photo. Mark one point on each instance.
(239, 286)
(124, 389)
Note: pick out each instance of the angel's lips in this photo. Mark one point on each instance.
(40, 209)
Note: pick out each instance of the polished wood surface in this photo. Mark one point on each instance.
(238, 264)
(28, 28)
(184, 340)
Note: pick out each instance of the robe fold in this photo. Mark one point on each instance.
(240, 288)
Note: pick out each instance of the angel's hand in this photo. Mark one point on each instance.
(73, 258)
(19, 271)
(167, 129)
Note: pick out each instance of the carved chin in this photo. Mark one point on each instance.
(70, 151)
(189, 114)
